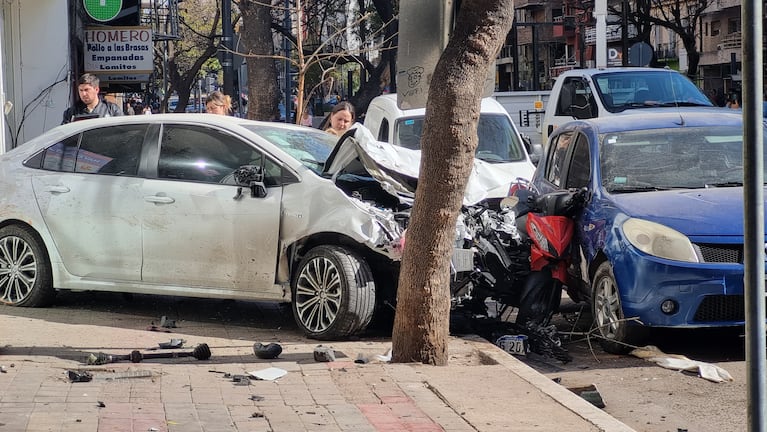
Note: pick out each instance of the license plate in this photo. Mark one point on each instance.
(513, 344)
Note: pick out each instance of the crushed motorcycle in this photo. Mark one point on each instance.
(515, 258)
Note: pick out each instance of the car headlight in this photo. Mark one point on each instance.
(659, 240)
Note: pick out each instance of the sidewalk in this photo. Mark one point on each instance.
(482, 388)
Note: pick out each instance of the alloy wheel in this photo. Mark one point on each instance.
(18, 269)
(607, 308)
(318, 294)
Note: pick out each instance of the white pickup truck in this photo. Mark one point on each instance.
(589, 93)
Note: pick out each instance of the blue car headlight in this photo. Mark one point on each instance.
(659, 240)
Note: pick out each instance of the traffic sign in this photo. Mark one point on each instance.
(103, 10)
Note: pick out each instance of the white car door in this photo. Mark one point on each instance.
(91, 201)
(195, 233)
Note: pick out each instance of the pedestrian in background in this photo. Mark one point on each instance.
(218, 103)
(340, 119)
(90, 104)
(306, 118)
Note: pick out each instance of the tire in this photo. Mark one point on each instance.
(540, 298)
(617, 335)
(25, 270)
(333, 293)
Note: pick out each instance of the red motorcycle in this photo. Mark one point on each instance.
(549, 225)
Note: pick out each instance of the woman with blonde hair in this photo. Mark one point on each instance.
(218, 103)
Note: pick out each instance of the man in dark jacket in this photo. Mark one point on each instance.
(89, 103)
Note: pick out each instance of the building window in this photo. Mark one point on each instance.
(733, 25)
(715, 28)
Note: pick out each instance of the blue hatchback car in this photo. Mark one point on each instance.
(660, 241)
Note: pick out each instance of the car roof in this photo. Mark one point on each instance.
(388, 102)
(660, 118)
(597, 71)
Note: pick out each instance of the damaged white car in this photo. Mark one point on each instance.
(209, 206)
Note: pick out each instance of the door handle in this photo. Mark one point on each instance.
(159, 199)
(57, 189)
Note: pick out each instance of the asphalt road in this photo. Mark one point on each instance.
(648, 397)
(637, 392)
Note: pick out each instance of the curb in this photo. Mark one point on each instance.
(560, 394)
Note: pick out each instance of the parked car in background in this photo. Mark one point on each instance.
(608, 92)
(500, 143)
(661, 236)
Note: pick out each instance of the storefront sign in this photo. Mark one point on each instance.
(119, 50)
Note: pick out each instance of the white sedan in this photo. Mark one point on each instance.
(203, 206)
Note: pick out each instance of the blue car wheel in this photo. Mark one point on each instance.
(618, 336)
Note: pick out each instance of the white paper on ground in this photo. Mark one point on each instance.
(268, 374)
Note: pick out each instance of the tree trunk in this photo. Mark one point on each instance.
(263, 91)
(449, 140)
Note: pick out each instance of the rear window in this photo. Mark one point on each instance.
(497, 140)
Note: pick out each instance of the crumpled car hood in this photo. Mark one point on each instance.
(396, 168)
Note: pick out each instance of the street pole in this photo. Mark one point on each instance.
(753, 198)
(600, 13)
(226, 42)
(286, 47)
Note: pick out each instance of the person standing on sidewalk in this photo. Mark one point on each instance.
(218, 103)
(90, 103)
(340, 119)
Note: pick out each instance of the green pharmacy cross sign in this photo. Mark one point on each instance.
(103, 10)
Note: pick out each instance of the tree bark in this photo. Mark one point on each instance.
(263, 91)
(448, 143)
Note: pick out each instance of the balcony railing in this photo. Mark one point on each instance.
(730, 42)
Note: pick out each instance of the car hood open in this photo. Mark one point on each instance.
(396, 168)
(693, 212)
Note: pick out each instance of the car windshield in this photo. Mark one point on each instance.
(497, 141)
(647, 89)
(691, 157)
(309, 146)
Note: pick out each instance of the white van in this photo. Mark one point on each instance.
(500, 144)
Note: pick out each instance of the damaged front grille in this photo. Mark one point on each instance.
(718, 253)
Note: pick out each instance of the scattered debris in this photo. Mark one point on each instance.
(200, 352)
(678, 362)
(101, 404)
(173, 343)
(324, 354)
(79, 376)
(130, 374)
(3, 369)
(268, 374)
(361, 359)
(256, 398)
(590, 394)
(257, 415)
(386, 357)
(269, 351)
(154, 328)
(241, 380)
(167, 323)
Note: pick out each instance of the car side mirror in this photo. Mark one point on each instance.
(250, 176)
